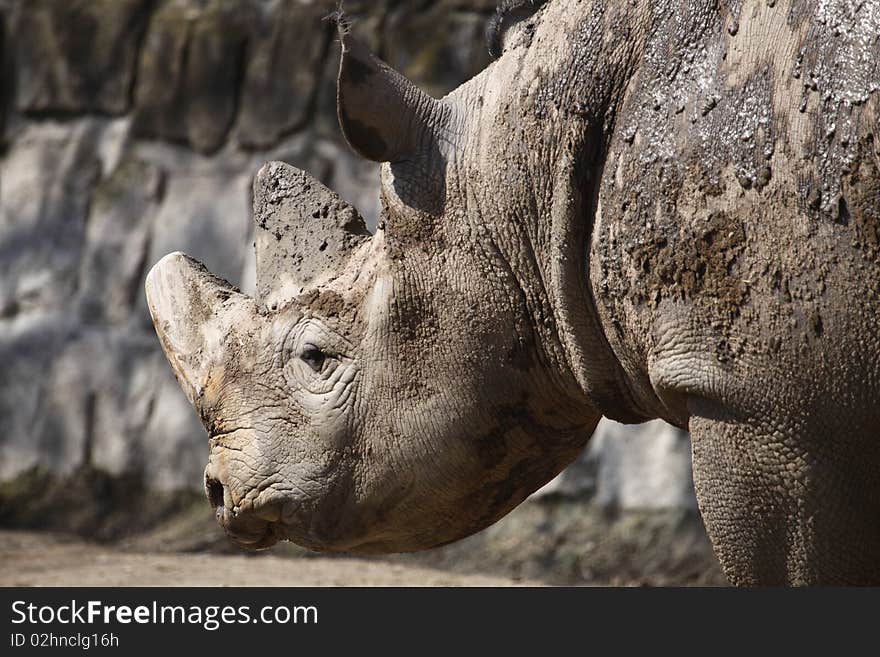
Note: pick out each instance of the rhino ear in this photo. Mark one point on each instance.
(384, 116)
(305, 233)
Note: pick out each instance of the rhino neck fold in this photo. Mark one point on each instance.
(589, 356)
(580, 114)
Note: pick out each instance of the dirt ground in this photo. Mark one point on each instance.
(91, 529)
(45, 559)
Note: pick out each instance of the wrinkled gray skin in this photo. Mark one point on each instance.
(642, 209)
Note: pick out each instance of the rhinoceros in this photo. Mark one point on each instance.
(665, 209)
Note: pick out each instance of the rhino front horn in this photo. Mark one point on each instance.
(384, 116)
(192, 311)
(305, 233)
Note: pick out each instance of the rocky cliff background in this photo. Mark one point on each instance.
(133, 128)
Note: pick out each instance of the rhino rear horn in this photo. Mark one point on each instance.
(305, 233)
(384, 116)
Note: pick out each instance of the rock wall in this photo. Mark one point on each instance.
(132, 128)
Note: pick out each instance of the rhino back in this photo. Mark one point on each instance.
(739, 204)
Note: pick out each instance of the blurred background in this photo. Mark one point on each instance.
(133, 128)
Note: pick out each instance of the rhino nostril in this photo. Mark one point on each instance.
(214, 490)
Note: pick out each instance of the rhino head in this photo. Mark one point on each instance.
(400, 390)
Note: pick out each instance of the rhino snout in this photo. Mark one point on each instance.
(253, 525)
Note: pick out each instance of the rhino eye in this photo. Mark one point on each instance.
(313, 357)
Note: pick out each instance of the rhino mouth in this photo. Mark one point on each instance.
(253, 529)
(255, 522)
(258, 540)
